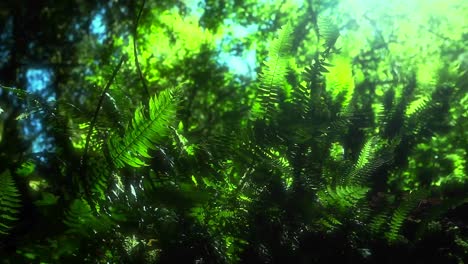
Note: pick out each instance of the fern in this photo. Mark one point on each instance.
(329, 222)
(340, 205)
(365, 164)
(416, 106)
(145, 131)
(9, 202)
(99, 176)
(415, 113)
(342, 196)
(301, 102)
(401, 213)
(314, 77)
(80, 219)
(328, 31)
(367, 153)
(378, 222)
(272, 77)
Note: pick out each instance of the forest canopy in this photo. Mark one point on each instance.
(233, 131)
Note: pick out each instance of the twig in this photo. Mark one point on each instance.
(135, 53)
(84, 157)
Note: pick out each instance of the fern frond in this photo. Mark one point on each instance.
(80, 219)
(281, 164)
(401, 213)
(341, 204)
(145, 131)
(329, 222)
(365, 164)
(378, 222)
(99, 177)
(315, 79)
(273, 76)
(301, 98)
(328, 31)
(367, 153)
(415, 113)
(9, 202)
(416, 106)
(342, 196)
(379, 113)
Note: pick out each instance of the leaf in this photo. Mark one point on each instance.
(328, 31)
(9, 202)
(343, 196)
(401, 213)
(81, 220)
(146, 131)
(273, 75)
(417, 106)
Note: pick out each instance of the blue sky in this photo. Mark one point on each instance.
(38, 81)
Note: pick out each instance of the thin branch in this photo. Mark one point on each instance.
(84, 157)
(135, 53)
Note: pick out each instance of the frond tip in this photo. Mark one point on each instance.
(146, 130)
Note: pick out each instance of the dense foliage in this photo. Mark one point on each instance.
(153, 142)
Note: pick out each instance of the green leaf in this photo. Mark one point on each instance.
(402, 212)
(146, 131)
(9, 202)
(273, 75)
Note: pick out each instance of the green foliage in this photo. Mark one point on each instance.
(145, 131)
(342, 196)
(401, 213)
(367, 162)
(9, 202)
(378, 222)
(340, 82)
(99, 177)
(81, 220)
(416, 106)
(328, 30)
(273, 76)
(310, 163)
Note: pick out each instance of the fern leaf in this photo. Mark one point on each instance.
(367, 153)
(9, 202)
(80, 219)
(273, 75)
(378, 222)
(301, 97)
(328, 31)
(365, 164)
(416, 106)
(342, 196)
(401, 213)
(314, 76)
(145, 131)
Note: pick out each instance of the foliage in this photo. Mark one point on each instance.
(349, 146)
(273, 77)
(9, 202)
(144, 131)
